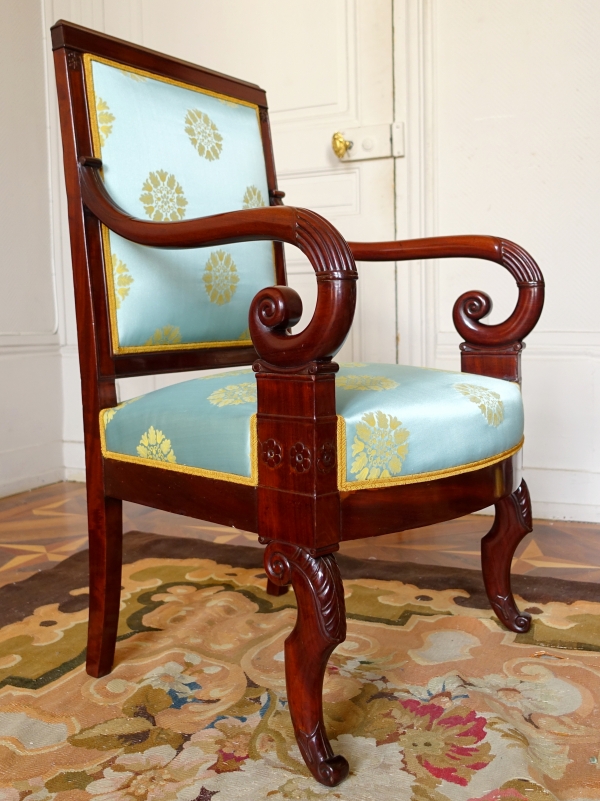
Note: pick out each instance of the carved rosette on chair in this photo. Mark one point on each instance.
(320, 626)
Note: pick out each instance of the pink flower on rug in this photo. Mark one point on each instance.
(229, 741)
(447, 743)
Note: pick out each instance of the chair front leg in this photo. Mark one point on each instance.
(511, 524)
(320, 626)
(105, 522)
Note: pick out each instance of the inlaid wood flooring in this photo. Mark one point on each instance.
(44, 526)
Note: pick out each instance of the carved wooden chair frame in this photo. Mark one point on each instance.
(300, 516)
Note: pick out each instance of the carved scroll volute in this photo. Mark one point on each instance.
(275, 309)
(473, 306)
(319, 341)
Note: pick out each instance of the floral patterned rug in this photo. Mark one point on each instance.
(429, 698)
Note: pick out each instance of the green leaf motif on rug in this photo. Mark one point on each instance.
(70, 780)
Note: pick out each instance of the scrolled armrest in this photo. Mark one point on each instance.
(274, 308)
(473, 306)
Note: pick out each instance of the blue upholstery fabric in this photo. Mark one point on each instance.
(402, 423)
(172, 152)
(396, 424)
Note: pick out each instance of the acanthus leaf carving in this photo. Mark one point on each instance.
(503, 605)
(319, 576)
(511, 523)
(523, 501)
(319, 757)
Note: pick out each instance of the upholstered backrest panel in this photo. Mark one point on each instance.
(173, 152)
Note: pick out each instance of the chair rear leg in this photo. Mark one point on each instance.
(320, 626)
(511, 524)
(105, 521)
(276, 589)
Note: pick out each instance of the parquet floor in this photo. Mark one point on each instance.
(46, 525)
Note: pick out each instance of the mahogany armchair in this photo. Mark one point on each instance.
(176, 229)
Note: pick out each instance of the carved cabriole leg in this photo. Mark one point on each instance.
(512, 523)
(105, 543)
(320, 626)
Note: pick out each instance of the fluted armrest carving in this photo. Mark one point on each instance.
(273, 309)
(474, 305)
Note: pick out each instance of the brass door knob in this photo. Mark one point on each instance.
(340, 145)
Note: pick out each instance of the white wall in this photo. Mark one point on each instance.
(30, 389)
(501, 101)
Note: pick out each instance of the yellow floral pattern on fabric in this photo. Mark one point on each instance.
(220, 277)
(375, 383)
(154, 445)
(489, 403)
(122, 279)
(380, 446)
(234, 394)
(204, 134)
(163, 197)
(168, 335)
(245, 335)
(253, 198)
(105, 120)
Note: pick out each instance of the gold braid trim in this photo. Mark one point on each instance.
(344, 485)
(88, 58)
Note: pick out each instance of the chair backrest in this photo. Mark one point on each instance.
(176, 142)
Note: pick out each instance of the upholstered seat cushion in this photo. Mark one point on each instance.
(396, 424)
